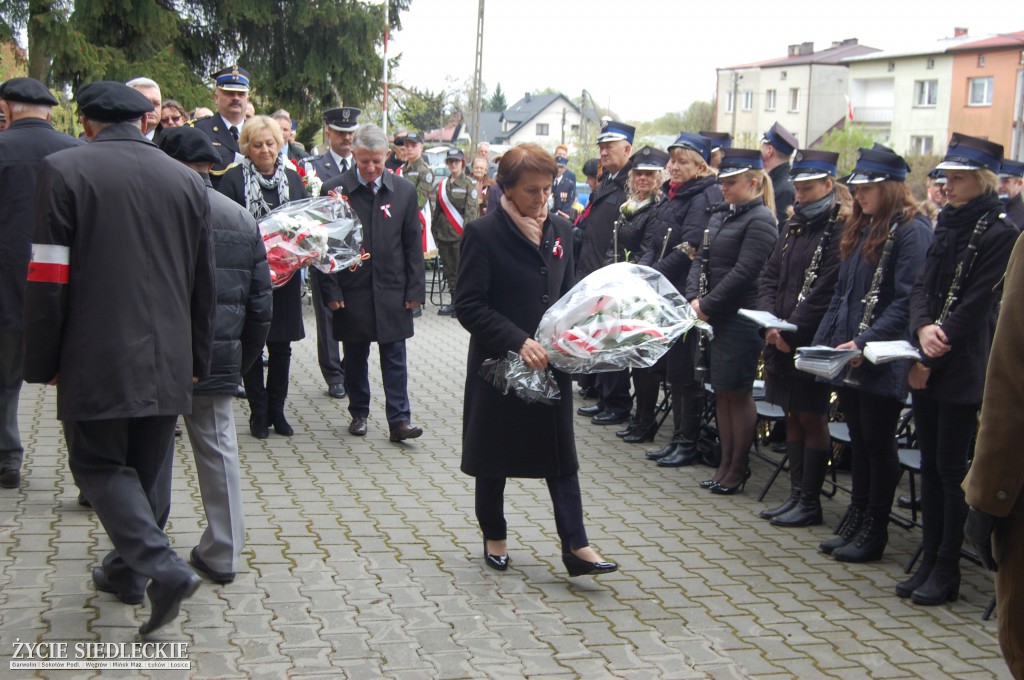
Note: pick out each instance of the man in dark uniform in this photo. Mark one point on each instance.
(119, 315)
(224, 127)
(615, 144)
(562, 152)
(1011, 179)
(777, 147)
(563, 189)
(719, 141)
(339, 128)
(28, 105)
(373, 302)
(456, 206)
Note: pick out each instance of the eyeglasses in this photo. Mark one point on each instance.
(170, 119)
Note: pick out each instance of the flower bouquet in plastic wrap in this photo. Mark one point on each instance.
(322, 232)
(513, 375)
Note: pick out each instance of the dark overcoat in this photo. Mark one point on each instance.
(286, 325)
(26, 142)
(392, 271)
(783, 280)
(686, 212)
(598, 221)
(958, 376)
(134, 322)
(505, 286)
(1014, 210)
(785, 192)
(846, 309)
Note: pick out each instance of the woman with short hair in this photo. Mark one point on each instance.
(500, 301)
(172, 114)
(259, 184)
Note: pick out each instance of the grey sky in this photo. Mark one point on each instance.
(647, 57)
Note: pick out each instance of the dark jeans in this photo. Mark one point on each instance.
(565, 498)
(394, 375)
(944, 433)
(875, 461)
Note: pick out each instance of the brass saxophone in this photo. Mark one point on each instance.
(870, 300)
(700, 364)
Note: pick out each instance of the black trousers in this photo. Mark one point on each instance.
(123, 468)
(394, 374)
(875, 460)
(328, 350)
(613, 392)
(944, 433)
(272, 395)
(565, 499)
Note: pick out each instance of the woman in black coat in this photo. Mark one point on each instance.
(872, 397)
(636, 219)
(953, 319)
(260, 184)
(679, 224)
(797, 286)
(741, 240)
(516, 262)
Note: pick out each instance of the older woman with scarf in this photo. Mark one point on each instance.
(261, 183)
(881, 253)
(738, 241)
(679, 225)
(953, 311)
(636, 218)
(797, 286)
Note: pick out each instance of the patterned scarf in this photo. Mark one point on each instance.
(255, 183)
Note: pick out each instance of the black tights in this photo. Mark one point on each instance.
(736, 414)
(872, 420)
(809, 428)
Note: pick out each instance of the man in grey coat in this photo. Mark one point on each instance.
(119, 312)
(241, 324)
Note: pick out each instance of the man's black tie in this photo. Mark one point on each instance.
(234, 132)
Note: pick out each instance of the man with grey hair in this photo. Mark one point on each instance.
(148, 88)
(28, 106)
(374, 301)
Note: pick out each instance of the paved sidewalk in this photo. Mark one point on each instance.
(364, 561)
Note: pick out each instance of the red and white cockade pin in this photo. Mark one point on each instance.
(386, 209)
(557, 250)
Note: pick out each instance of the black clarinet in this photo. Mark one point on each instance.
(870, 300)
(700, 367)
(963, 268)
(819, 254)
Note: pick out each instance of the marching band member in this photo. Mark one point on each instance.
(882, 249)
(797, 286)
(953, 311)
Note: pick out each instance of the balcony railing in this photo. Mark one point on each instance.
(872, 114)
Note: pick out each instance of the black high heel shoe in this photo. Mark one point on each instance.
(732, 490)
(496, 562)
(708, 484)
(578, 566)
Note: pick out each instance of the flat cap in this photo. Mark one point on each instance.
(188, 145)
(107, 101)
(28, 91)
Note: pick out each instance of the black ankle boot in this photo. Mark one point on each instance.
(808, 511)
(641, 433)
(942, 585)
(906, 588)
(869, 543)
(281, 425)
(628, 430)
(848, 527)
(685, 453)
(795, 454)
(662, 452)
(258, 426)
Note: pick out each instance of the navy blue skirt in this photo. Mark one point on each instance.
(734, 353)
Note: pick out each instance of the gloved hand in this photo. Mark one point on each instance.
(978, 531)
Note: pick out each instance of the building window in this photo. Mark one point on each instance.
(930, 64)
(925, 93)
(981, 60)
(891, 66)
(782, 75)
(769, 100)
(980, 91)
(921, 146)
(748, 100)
(730, 103)
(542, 129)
(794, 99)
(575, 129)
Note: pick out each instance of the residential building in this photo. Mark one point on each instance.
(987, 94)
(545, 119)
(903, 96)
(805, 92)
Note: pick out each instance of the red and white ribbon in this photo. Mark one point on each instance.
(49, 264)
(450, 211)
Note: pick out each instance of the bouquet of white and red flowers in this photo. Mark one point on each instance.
(322, 232)
(621, 316)
(310, 180)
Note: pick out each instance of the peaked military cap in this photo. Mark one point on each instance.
(455, 155)
(411, 138)
(232, 79)
(694, 142)
(719, 140)
(28, 91)
(971, 153)
(591, 167)
(107, 101)
(188, 145)
(1012, 169)
(877, 164)
(781, 138)
(649, 158)
(811, 164)
(614, 131)
(737, 161)
(342, 119)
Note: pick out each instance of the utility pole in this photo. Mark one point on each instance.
(735, 95)
(563, 126)
(476, 104)
(387, 22)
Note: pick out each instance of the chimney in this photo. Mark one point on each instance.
(806, 48)
(527, 97)
(850, 41)
(793, 50)
(959, 32)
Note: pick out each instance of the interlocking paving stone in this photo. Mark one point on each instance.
(363, 561)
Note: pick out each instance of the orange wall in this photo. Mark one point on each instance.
(994, 122)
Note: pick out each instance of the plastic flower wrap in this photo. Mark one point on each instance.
(621, 316)
(322, 232)
(513, 375)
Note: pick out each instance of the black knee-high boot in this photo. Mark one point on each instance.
(795, 454)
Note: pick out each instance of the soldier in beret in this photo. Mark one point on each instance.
(119, 316)
(28, 105)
